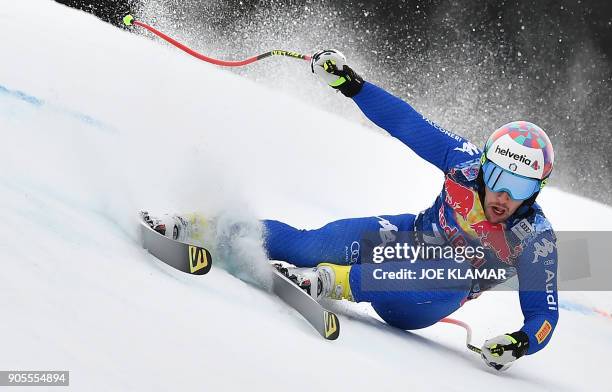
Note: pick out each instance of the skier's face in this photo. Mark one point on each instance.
(499, 206)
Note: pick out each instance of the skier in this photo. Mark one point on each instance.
(488, 198)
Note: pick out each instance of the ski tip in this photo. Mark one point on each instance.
(128, 20)
(332, 326)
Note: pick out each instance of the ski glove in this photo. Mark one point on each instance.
(330, 65)
(501, 351)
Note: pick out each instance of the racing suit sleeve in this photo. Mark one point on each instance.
(537, 275)
(431, 142)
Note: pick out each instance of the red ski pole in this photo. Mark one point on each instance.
(129, 20)
(468, 330)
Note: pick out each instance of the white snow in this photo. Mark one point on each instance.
(98, 123)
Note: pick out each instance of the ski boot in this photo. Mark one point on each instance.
(188, 227)
(326, 280)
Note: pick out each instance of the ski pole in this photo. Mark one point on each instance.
(468, 330)
(129, 20)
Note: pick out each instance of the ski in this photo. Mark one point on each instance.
(196, 260)
(191, 259)
(324, 321)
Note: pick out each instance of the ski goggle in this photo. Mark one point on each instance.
(500, 180)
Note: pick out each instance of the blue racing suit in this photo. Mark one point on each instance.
(523, 246)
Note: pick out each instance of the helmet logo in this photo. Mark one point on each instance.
(507, 153)
(522, 148)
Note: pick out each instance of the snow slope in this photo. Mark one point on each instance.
(98, 123)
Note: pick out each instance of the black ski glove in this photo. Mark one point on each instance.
(331, 66)
(501, 351)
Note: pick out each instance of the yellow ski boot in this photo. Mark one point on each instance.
(338, 277)
(326, 280)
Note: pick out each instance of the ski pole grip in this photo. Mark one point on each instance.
(128, 19)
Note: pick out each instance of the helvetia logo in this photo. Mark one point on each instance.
(507, 153)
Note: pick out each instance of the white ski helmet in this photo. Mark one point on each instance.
(517, 159)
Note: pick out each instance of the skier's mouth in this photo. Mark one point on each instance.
(498, 211)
